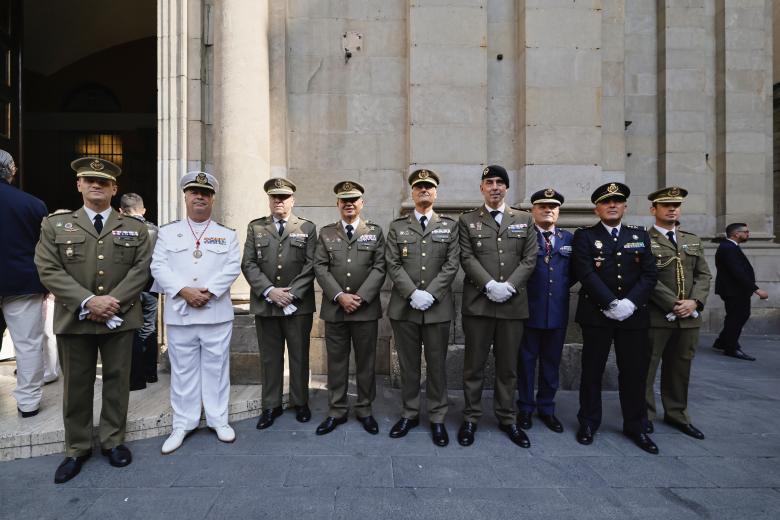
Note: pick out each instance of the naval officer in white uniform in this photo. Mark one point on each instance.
(195, 262)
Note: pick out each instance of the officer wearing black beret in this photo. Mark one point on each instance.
(615, 265)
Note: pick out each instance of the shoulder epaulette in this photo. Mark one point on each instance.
(332, 224)
(633, 226)
(58, 212)
(224, 226)
(304, 218)
(169, 223)
(402, 217)
(446, 217)
(685, 232)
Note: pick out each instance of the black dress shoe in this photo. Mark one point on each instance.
(118, 456)
(440, 437)
(649, 428)
(137, 386)
(267, 417)
(329, 424)
(585, 435)
(643, 441)
(466, 433)
(303, 414)
(551, 422)
(151, 379)
(402, 427)
(524, 420)
(25, 415)
(515, 435)
(738, 354)
(688, 429)
(369, 424)
(69, 468)
(717, 346)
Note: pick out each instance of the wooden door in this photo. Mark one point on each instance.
(11, 79)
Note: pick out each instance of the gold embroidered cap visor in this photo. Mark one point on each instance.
(423, 175)
(547, 196)
(96, 168)
(279, 186)
(348, 190)
(610, 190)
(202, 180)
(669, 194)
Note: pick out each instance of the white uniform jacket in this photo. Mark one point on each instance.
(174, 267)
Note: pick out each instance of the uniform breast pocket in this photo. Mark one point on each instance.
(261, 246)
(408, 246)
(439, 244)
(692, 255)
(565, 251)
(298, 248)
(218, 249)
(335, 250)
(72, 248)
(125, 249)
(366, 251)
(483, 243)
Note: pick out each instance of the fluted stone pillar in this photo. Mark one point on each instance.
(242, 133)
(743, 80)
(560, 110)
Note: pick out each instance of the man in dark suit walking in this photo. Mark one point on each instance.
(615, 265)
(21, 293)
(735, 283)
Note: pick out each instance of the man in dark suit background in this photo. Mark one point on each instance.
(615, 265)
(735, 283)
(21, 293)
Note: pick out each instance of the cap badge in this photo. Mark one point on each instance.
(96, 165)
(201, 178)
(423, 174)
(347, 186)
(278, 183)
(485, 171)
(612, 188)
(549, 193)
(674, 192)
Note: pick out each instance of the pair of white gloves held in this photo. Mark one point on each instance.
(499, 292)
(620, 309)
(421, 300)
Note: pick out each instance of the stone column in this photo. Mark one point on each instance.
(685, 100)
(179, 121)
(448, 93)
(241, 115)
(744, 107)
(560, 111)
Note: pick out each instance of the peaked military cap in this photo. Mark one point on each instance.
(547, 196)
(495, 170)
(348, 190)
(96, 167)
(279, 186)
(669, 194)
(610, 190)
(418, 176)
(202, 180)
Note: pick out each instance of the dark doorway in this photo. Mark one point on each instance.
(88, 89)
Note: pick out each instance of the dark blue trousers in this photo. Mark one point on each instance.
(546, 346)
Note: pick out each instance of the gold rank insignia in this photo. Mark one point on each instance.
(612, 188)
(201, 178)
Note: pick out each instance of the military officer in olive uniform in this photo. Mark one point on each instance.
(498, 254)
(675, 307)
(278, 263)
(96, 263)
(615, 266)
(350, 267)
(422, 261)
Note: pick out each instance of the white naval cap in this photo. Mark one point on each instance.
(200, 180)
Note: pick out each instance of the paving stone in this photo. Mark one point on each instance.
(232, 470)
(62, 503)
(650, 471)
(444, 472)
(743, 445)
(145, 503)
(539, 472)
(731, 472)
(273, 503)
(356, 471)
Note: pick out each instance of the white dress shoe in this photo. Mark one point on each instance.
(174, 442)
(225, 433)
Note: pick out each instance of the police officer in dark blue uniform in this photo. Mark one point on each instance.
(548, 308)
(615, 265)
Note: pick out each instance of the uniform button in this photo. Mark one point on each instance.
(500, 277)
(279, 266)
(69, 242)
(348, 289)
(618, 265)
(194, 279)
(499, 239)
(100, 257)
(551, 281)
(101, 273)
(502, 263)
(349, 248)
(278, 277)
(349, 274)
(349, 260)
(99, 242)
(549, 294)
(423, 254)
(619, 253)
(423, 268)
(620, 288)
(619, 277)
(500, 250)
(100, 287)
(280, 255)
(424, 242)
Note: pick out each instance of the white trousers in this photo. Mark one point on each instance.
(200, 373)
(24, 316)
(51, 369)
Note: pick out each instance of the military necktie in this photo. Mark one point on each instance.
(547, 246)
(494, 214)
(99, 223)
(281, 227)
(349, 229)
(670, 234)
(422, 222)
(614, 234)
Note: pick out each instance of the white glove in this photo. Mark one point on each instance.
(113, 322)
(499, 292)
(672, 317)
(624, 309)
(610, 313)
(289, 309)
(180, 306)
(421, 300)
